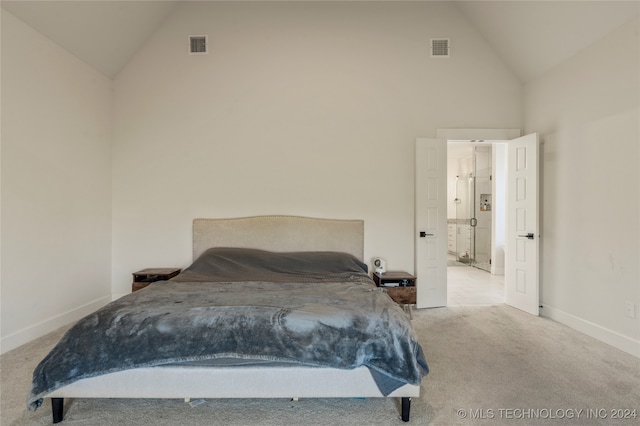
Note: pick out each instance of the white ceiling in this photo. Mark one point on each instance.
(531, 37)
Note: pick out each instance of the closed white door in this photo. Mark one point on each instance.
(431, 222)
(522, 231)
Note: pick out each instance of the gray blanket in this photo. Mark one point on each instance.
(323, 321)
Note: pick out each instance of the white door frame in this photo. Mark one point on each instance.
(478, 134)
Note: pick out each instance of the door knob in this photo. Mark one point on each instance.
(529, 235)
(424, 234)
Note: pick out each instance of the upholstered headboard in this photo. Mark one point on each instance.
(280, 234)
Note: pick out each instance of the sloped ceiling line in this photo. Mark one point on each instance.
(531, 37)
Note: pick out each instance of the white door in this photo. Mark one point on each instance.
(431, 222)
(522, 232)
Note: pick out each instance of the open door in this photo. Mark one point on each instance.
(431, 222)
(522, 231)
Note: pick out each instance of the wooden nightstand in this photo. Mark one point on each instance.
(143, 278)
(400, 286)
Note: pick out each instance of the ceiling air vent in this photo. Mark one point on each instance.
(440, 48)
(198, 45)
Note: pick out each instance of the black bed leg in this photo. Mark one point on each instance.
(57, 406)
(406, 408)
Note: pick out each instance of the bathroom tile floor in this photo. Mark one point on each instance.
(471, 286)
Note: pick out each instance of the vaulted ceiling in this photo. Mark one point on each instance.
(531, 37)
(104, 34)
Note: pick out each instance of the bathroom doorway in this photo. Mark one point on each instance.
(475, 222)
(470, 210)
(515, 214)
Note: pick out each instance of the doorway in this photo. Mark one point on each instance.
(521, 233)
(475, 223)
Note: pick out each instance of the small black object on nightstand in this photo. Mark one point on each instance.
(143, 278)
(400, 286)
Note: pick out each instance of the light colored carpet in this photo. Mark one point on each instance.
(489, 365)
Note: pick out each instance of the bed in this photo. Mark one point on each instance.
(271, 307)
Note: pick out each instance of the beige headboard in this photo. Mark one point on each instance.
(280, 234)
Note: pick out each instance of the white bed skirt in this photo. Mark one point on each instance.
(236, 382)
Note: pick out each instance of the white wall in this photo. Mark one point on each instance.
(56, 189)
(300, 108)
(586, 111)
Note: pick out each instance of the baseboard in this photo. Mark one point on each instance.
(117, 296)
(610, 337)
(32, 332)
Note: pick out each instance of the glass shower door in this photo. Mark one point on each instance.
(482, 229)
(473, 221)
(464, 210)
